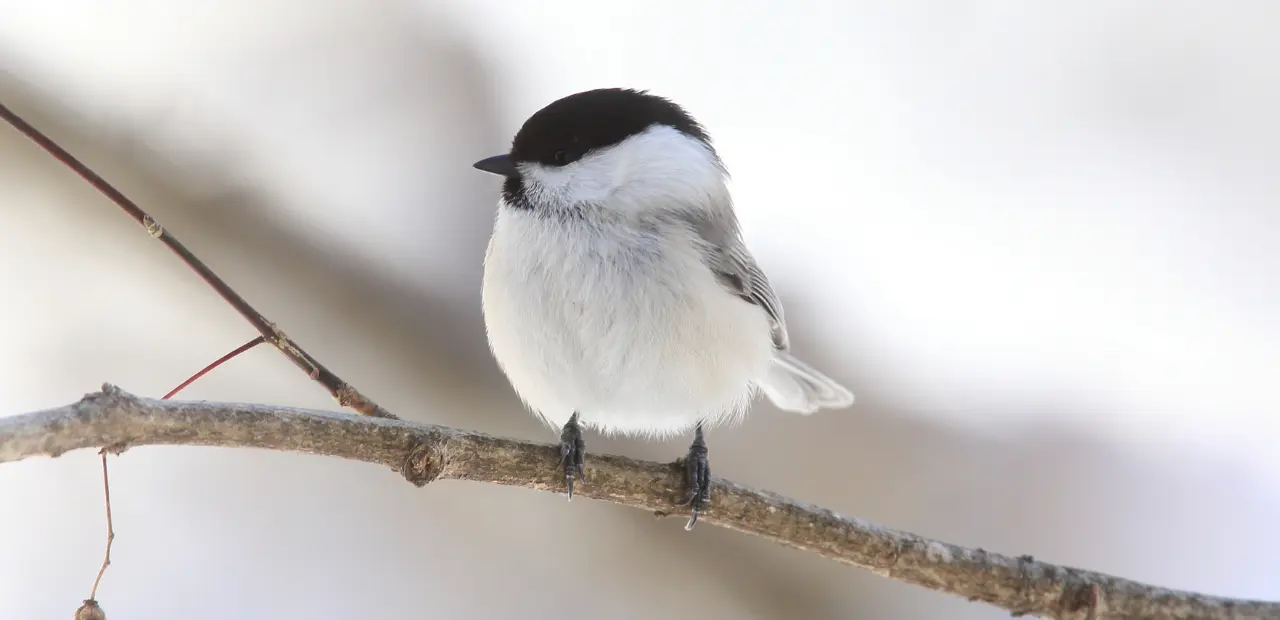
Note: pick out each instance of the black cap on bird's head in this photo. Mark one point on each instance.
(569, 128)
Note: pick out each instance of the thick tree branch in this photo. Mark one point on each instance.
(424, 453)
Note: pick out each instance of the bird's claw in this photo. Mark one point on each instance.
(572, 453)
(697, 471)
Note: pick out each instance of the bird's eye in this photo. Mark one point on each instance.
(560, 157)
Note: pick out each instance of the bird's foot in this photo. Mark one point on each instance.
(572, 452)
(697, 473)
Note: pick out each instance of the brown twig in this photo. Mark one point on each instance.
(111, 530)
(424, 453)
(343, 392)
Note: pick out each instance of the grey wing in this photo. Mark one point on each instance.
(728, 257)
(738, 271)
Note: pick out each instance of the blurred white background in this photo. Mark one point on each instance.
(1038, 241)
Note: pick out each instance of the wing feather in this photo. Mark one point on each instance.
(727, 256)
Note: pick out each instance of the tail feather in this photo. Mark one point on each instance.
(795, 386)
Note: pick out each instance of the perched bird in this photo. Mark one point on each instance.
(618, 293)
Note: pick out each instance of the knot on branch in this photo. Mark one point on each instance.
(106, 391)
(348, 396)
(423, 465)
(1085, 598)
(153, 227)
(108, 395)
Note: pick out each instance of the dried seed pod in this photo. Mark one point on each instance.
(90, 611)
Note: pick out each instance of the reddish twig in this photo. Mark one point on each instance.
(345, 393)
(218, 362)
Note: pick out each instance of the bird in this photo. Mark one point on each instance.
(618, 292)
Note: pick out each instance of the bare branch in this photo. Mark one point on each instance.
(346, 394)
(423, 453)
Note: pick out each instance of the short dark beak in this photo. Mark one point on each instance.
(498, 164)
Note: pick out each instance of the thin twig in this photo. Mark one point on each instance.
(218, 362)
(111, 530)
(106, 480)
(343, 392)
(424, 453)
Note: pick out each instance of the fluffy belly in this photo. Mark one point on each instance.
(645, 373)
(633, 354)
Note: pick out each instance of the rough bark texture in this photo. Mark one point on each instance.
(424, 453)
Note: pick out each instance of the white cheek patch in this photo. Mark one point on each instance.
(657, 166)
(591, 179)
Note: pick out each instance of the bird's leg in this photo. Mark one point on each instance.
(572, 451)
(697, 473)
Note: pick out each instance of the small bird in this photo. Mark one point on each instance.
(618, 293)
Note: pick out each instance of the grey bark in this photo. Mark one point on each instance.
(423, 453)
